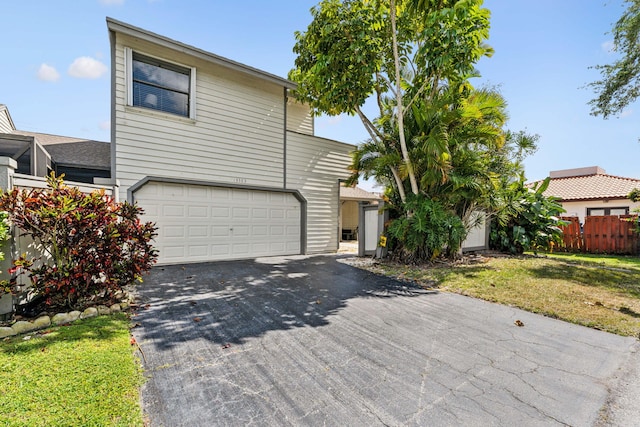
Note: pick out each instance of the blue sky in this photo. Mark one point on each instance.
(54, 72)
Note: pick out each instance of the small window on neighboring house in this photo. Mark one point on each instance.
(607, 211)
(160, 85)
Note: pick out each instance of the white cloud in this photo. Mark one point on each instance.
(105, 125)
(86, 67)
(112, 2)
(625, 113)
(608, 46)
(334, 120)
(48, 73)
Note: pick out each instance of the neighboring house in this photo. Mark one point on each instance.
(591, 191)
(38, 154)
(219, 154)
(350, 199)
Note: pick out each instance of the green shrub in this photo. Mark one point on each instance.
(425, 231)
(92, 245)
(527, 221)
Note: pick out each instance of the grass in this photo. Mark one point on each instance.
(81, 374)
(601, 292)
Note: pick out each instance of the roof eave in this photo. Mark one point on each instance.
(124, 28)
(6, 109)
(587, 199)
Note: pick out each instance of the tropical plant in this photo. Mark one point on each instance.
(91, 246)
(437, 143)
(528, 220)
(432, 230)
(399, 52)
(463, 156)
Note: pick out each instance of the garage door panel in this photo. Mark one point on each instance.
(198, 230)
(292, 247)
(219, 193)
(199, 223)
(239, 195)
(261, 197)
(197, 192)
(198, 251)
(173, 210)
(241, 231)
(220, 231)
(240, 212)
(220, 251)
(259, 213)
(172, 190)
(171, 231)
(293, 231)
(220, 212)
(259, 230)
(198, 211)
(172, 252)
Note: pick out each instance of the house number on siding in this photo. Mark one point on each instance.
(240, 180)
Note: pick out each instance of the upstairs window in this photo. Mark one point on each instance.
(161, 85)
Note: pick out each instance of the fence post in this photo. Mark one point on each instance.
(8, 167)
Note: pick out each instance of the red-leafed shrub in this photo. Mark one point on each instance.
(92, 246)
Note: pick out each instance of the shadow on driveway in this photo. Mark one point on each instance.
(312, 341)
(227, 302)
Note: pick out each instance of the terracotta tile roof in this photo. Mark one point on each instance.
(587, 187)
(70, 151)
(355, 193)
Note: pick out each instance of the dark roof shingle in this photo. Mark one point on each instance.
(70, 151)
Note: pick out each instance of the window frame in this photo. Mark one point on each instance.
(607, 210)
(129, 83)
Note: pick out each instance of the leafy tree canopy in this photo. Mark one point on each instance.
(346, 54)
(620, 84)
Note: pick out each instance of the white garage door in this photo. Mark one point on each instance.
(201, 223)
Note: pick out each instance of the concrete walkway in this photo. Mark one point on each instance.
(312, 341)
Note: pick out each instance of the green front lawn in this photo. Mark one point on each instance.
(601, 292)
(83, 374)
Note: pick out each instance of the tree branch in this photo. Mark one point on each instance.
(374, 133)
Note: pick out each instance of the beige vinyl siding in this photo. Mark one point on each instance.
(5, 124)
(236, 137)
(299, 118)
(314, 166)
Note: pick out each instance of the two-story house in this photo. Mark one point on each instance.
(218, 154)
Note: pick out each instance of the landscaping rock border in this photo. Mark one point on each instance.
(42, 322)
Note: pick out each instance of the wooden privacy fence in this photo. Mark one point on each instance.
(611, 234)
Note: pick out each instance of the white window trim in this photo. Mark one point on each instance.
(128, 59)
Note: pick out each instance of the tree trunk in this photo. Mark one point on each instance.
(399, 110)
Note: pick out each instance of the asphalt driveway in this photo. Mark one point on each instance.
(312, 341)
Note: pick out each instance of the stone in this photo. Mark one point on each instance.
(74, 315)
(89, 312)
(103, 309)
(22, 326)
(61, 319)
(115, 308)
(124, 305)
(42, 322)
(5, 331)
